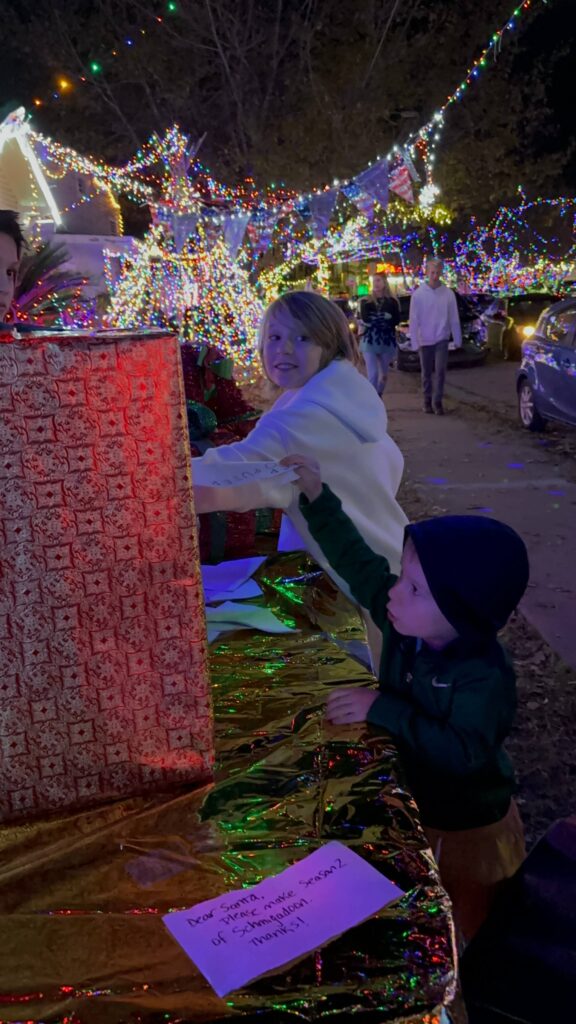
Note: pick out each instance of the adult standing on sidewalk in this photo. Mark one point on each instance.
(379, 316)
(434, 320)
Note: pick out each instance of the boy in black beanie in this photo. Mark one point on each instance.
(447, 689)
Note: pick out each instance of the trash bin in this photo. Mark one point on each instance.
(521, 965)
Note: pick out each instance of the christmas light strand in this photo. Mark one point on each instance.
(421, 144)
(200, 292)
(511, 254)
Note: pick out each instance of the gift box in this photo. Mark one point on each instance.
(104, 688)
(218, 414)
(223, 535)
(209, 381)
(226, 535)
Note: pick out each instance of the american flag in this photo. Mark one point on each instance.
(401, 182)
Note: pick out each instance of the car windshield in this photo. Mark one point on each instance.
(529, 306)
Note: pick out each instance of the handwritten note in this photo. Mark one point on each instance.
(243, 934)
(235, 474)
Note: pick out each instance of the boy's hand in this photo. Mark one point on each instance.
(308, 472)
(346, 705)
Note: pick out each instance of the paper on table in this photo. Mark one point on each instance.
(240, 935)
(213, 632)
(246, 590)
(235, 474)
(227, 576)
(245, 616)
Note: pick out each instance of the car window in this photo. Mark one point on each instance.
(529, 306)
(559, 327)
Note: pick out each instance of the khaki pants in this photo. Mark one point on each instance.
(473, 863)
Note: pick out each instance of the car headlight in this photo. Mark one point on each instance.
(528, 331)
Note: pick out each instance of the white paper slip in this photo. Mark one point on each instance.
(245, 591)
(245, 616)
(235, 474)
(243, 934)
(228, 576)
(213, 632)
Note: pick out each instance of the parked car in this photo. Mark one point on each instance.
(524, 309)
(546, 380)
(474, 348)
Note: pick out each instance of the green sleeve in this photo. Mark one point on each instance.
(367, 574)
(481, 714)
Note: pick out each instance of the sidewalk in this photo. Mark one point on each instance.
(479, 463)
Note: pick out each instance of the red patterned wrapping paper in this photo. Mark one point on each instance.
(104, 688)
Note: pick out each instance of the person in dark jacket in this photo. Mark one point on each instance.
(11, 243)
(447, 692)
(379, 316)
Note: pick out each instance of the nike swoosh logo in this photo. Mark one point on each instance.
(441, 686)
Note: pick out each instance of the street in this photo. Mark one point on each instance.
(477, 459)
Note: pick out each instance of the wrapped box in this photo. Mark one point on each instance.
(104, 688)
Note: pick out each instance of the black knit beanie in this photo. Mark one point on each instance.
(477, 570)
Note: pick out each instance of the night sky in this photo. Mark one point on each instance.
(318, 114)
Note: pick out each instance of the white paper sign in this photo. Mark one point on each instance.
(227, 576)
(244, 592)
(241, 935)
(245, 616)
(234, 474)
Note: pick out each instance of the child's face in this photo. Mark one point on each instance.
(411, 608)
(8, 271)
(290, 356)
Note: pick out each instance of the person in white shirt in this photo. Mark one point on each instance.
(434, 320)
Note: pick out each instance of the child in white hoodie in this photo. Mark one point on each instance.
(328, 411)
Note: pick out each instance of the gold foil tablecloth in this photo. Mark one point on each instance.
(81, 896)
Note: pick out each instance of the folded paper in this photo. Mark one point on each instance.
(233, 615)
(235, 474)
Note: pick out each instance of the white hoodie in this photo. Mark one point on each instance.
(434, 316)
(338, 419)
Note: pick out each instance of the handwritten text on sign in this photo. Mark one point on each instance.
(236, 937)
(235, 474)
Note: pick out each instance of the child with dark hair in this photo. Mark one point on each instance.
(11, 243)
(447, 690)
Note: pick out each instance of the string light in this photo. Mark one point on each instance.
(422, 143)
(187, 186)
(428, 195)
(430, 133)
(510, 254)
(201, 291)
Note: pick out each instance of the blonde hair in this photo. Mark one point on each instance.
(387, 288)
(322, 320)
